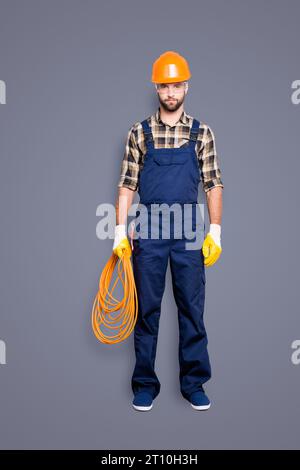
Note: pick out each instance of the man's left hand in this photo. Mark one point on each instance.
(211, 247)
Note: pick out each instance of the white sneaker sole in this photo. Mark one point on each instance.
(142, 408)
(200, 407)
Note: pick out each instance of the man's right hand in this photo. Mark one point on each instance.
(121, 245)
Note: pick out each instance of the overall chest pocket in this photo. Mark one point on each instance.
(170, 159)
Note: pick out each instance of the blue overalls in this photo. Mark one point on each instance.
(170, 175)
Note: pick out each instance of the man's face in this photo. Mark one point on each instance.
(171, 95)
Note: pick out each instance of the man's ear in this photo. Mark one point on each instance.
(186, 87)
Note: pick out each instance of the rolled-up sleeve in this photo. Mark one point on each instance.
(130, 164)
(210, 166)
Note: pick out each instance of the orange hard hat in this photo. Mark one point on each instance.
(170, 67)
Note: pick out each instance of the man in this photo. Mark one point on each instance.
(165, 158)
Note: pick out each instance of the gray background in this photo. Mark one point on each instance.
(78, 76)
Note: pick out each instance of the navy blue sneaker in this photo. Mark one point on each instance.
(199, 400)
(143, 401)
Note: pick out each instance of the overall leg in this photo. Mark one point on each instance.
(188, 279)
(150, 261)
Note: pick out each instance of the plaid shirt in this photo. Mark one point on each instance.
(165, 136)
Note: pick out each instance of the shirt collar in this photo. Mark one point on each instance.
(184, 118)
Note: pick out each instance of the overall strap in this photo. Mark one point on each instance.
(194, 132)
(148, 135)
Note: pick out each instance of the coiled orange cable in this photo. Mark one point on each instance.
(105, 303)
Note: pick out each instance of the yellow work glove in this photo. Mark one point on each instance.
(211, 247)
(121, 243)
